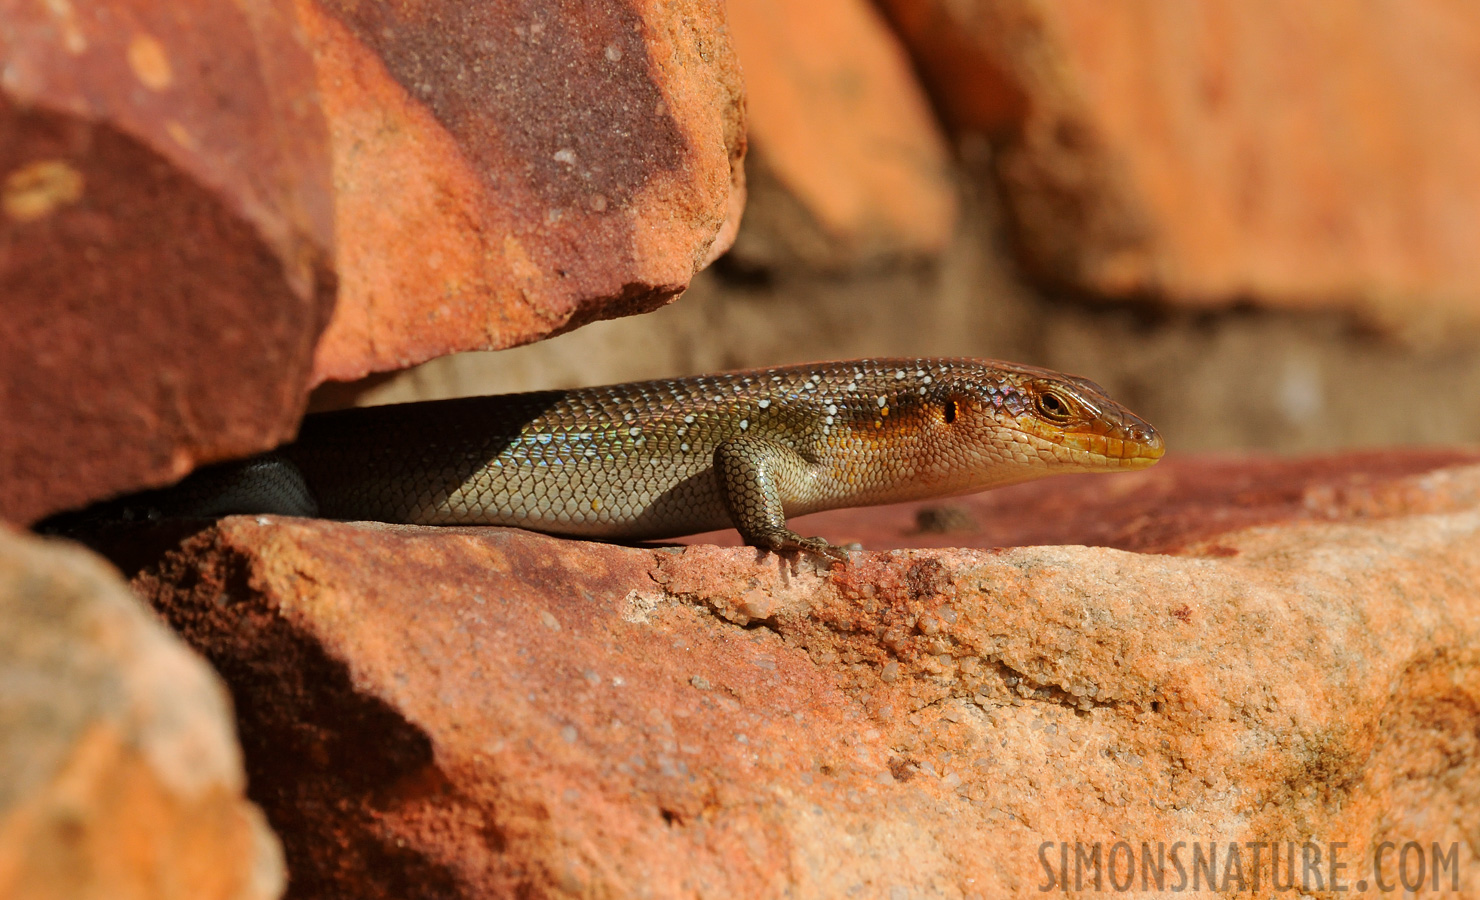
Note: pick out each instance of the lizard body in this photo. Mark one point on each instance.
(661, 458)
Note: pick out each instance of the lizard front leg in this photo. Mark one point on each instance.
(755, 476)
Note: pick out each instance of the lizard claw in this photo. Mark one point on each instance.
(790, 540)
(834, 554)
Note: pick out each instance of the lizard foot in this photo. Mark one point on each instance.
(786, 539)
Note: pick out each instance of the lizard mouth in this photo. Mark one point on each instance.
(1131, 446)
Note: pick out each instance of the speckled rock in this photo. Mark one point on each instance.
(847, 165)
(165, 239)
(1291, 155)
(504, 171)
(484, 712)
(120, 776)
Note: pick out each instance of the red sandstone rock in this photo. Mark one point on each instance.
(120, 776)
(165, 225)
(505, 171)
(847, 163)
(1294, 155)
(485, 712)
(1180, 505)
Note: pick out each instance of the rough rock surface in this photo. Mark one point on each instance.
(165, 230)
(120, 776)
(847, 163)
(1293, 155)
(1181, 502)
(484, 712)
(504, 171)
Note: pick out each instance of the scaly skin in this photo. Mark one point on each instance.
(656, 459)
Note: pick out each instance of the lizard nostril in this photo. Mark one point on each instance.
(1141, 439)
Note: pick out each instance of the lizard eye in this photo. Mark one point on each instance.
(1054, 406)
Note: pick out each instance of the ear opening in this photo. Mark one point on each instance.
(951, 411)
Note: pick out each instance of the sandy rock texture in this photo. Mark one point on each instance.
(120, 776)
(485, 712)
(1292, 155)
(505, 171)
(166, 232)
(847, 165)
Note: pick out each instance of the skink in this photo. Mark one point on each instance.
(656, 459)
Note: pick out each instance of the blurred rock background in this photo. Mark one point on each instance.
(1258, 223)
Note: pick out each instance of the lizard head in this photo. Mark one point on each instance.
(1040, 419)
